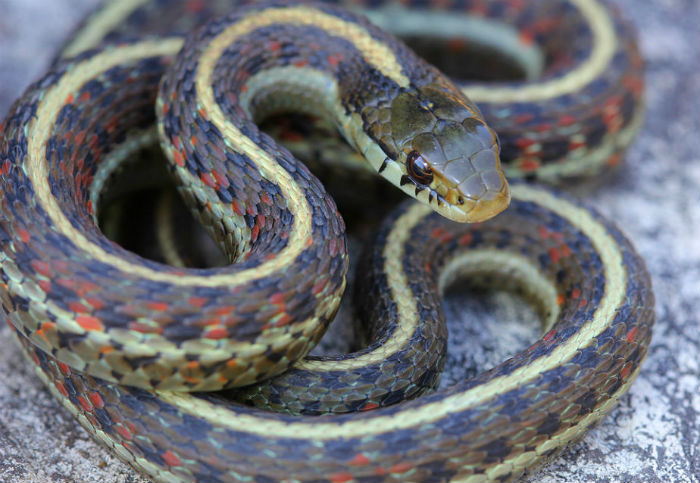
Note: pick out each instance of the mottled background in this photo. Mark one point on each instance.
(651, 436)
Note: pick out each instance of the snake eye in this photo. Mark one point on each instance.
(418, 168)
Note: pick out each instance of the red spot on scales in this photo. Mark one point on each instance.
(401, 468)
(567, 120)
(45, 285)
(42, 268)
(197, 301)
(573, 145)
(343, 477)
(369, 406)
(96, 400)
(277, 298)
(524, 143)
(554, 254)
(144, 328)
(85, 404)
(96, 304)
(456, 44)
(89, 323)
(124, 432)
(61, 388)
(626, 371)
(319, 287)
(64, 368)
(237, 207)
(523, 118)
(614, 159)
(634, 84)
(527, 37)
(23, 235)
(529, 164)
(283, 320)
(79, 138)
(360, 460)
(335, 59)
(178, 158)
(549, 335)
(631, 335)
(5, 166)
(216, 334)
(208, 179)
(224, 310)
(194, 6)
(160, 306)
(301, 63)
(221, 180)
(78, 307)
(274, 45)
(69, 99)
(441, 234)
(465, 239)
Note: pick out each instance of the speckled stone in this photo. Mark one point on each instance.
(652, 436)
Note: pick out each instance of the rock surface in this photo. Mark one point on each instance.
(652, 436)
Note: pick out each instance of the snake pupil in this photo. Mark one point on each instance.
(418, 168)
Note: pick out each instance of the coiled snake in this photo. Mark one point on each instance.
(118, 338)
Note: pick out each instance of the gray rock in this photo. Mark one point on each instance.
(652, 436)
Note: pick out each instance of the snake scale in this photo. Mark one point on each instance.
(131, 346)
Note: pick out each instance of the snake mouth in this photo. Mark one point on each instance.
(456, 207)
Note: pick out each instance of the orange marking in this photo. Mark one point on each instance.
(97, 304)
(283, 320)
(89, 323)
(343, 477)
(63, 367)
(23, 235)
(197, 301)
(360, 460)
(625, 371)
(614, 160)
(61, 388)
(85, 404)
(45, 285)
(41, 267)
(401, 468)
(631, 335)
(78, 307)
(178, 158)
(549, 335)
(123, 432)
(215, 334)
(369, 406)
(160, 306)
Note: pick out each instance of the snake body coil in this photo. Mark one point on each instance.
(113, 334)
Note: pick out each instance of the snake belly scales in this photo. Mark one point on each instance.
(118, 339)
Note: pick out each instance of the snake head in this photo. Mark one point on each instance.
(440, 151)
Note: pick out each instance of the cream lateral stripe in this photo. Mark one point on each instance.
(615, 288)
(106, 19)
(400, 292)
(604, 42)
(35, 165)
(373, 51)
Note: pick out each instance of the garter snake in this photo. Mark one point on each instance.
(115, 337)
